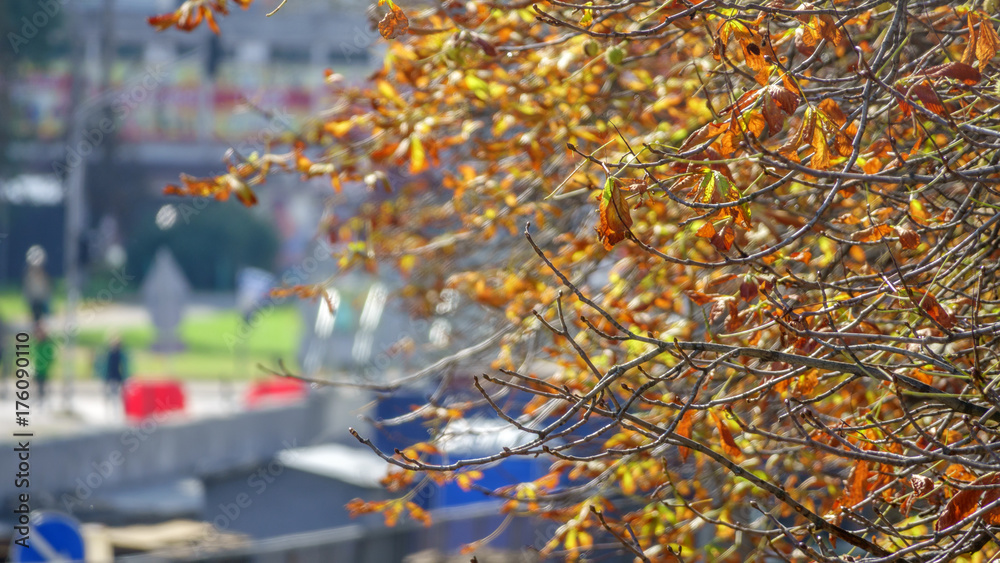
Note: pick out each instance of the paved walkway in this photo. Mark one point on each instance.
(88, 408)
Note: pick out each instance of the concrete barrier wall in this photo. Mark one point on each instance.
(160, 448)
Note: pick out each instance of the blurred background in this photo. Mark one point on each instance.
(155, 422)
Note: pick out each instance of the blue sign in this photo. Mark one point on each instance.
(52, 537)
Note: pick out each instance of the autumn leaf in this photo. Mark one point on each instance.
(983, 42)
(956, 71)
(748, 291)
(729, 446)
(723, 241)
(964, 503)
(418, 158)
(394, 24)
(706, 231)
(874, 233)
(807, 383)
(821, 155)
(921, 484)
(615, 217)
(930, 305)
(927, 96)
(908, 238)
(684, 430)
(785, 99)
(465, 479)
(857, 488)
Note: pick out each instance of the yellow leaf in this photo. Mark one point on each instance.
(418, 158)
(918, 211)
(821, 158)
(627, 483)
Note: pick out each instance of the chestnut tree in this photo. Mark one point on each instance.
(740, 258)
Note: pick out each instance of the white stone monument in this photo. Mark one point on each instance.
(165, 292)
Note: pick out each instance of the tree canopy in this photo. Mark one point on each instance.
(742, 256)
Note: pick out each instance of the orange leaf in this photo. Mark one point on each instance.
(615, 219)
(684, 429)
(956, 472)
(929, 303)
(874, 233)
(698, 297)
(918, 211)
(856, 485)
(821, 158)
(983, 43)
(394, 24)
(729, 446)
(807, 382)
(707, 230)
(418, 514)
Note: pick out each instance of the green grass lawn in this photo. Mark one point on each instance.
(217, 345)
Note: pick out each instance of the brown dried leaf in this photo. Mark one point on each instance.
(983, 43)
(964, 503)
(927, 96)
(921, 485)
(908, 238)
(956, 71)
(724, 241)
(785, 99)
(394, 24)
(774, 117)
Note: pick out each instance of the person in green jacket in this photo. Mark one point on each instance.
(44, 349)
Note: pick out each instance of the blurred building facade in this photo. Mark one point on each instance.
(155, 104)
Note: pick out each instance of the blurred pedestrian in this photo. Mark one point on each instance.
(114, 368)
(37, 287)
(44, 351)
